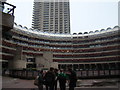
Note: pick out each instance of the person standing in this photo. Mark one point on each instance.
(72, 79)
(49, 79)
(40, 80)
(62, 77)
(56, 78)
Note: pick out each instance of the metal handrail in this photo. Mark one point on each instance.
(10, 10)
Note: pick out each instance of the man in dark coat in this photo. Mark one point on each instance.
(72, 79)
(50, 79)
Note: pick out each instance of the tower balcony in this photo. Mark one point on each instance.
(7, 13)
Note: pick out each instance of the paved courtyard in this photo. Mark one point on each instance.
(9, 83)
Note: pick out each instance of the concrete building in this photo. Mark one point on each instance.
(51, 16)
(90, 54)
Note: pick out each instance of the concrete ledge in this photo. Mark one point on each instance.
(7, 20)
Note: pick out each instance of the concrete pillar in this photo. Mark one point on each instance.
(18, 53)
(46, 61)
(17, 62)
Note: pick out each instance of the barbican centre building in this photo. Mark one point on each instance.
(32, 48)
(89, 51)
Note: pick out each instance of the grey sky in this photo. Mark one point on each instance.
(84, 15)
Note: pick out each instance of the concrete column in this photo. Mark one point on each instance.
(17, 62)
(46, 61)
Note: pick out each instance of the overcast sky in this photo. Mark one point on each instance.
(85, 15)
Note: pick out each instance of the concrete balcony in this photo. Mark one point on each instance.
(7, 21)
(7, 14)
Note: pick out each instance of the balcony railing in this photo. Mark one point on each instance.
(7, 8)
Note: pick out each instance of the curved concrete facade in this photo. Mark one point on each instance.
(35, 49)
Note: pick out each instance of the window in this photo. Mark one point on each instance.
(30, 59)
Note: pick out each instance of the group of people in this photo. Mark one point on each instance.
(51, 78)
